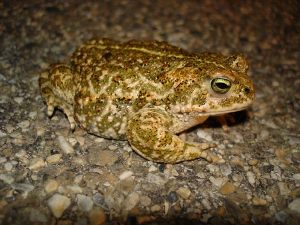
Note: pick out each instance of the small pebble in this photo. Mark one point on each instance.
(78, 179)
(259, 201)
(296, 177)
(79, 161)
(80, 140)
(144, 219)
(51, 186)
(145, 201)
(72, 141)
(58, 204)
(3, 160)
(227, 188)
(295, 205)
(40, 131)
(2, 134)
(7, 178)
(268, 168)
(155, 208)
(73, 189)
(217, 181)
(276, 173)
(99, 139)
(253, 162)
(281, 154)
(226, 170)
(10, 128)
(264, 134)
(99, 199)
(131, 201)
(32, 115)
(21, 154)
(64, 145)
(8, 166)
(156, 179)
(201, 175)
(85, 203)
(36, 163)
(102, 157)
(152, 168)
(184, 192)
(238, 137)
(172, 197)
(161, 167)
(166, 207)
(206, 204)
(281, 216)
(284, 189)
(251, 177)
(204, 135)
(112, 147)
(236, 161)
(174, 172)
(24, 125)
(34, 177)
(37, 216)
(14, 162)
(125, 175)
(8, 152)
(296, 157)
(19, 100)
(213, 169)
(52, 159)
(97, 216)
(25, 187)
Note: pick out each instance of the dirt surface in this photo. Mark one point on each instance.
(50, 175)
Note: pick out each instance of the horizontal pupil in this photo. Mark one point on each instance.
(221, 85)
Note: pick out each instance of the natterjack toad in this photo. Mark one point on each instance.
(146, 93)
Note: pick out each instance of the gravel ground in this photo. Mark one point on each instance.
(49, 175)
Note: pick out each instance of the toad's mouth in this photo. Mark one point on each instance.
(206, 110)
(217, 113)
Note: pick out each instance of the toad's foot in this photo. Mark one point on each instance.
(148, 134)
(53, 85)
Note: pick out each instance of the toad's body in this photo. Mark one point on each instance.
(146, 93)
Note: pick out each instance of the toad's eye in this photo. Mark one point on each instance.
(220, 85)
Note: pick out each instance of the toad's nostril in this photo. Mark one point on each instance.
(247, 90)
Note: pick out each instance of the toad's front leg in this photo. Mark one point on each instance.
(149, 135)
(57, 88)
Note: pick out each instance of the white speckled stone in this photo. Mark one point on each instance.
(64, 145)
(85, 203)
(251, 177)
(184, 192)
(51, 186)
(125, 175)
(53, 158)
(131, 201)
(58, 204)
(36, 163)
(6, 178)
(8, 166)
(295, 205)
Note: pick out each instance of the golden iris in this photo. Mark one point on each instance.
(220, 85)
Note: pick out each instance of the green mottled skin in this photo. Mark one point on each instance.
(146, 93)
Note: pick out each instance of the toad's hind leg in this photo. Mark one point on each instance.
(148, 134)
(57, 88)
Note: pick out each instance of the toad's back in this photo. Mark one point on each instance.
(114, 80)
(130, 59)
